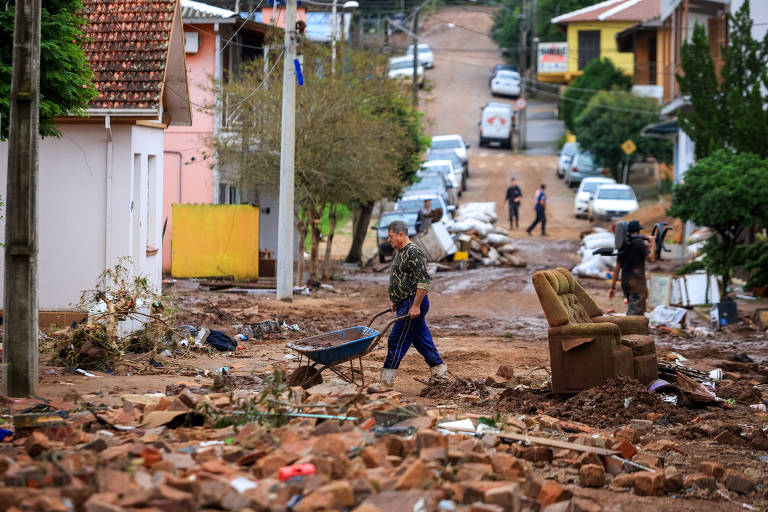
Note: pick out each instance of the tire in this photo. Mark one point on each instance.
(382, 257)
(305, 376)
(463, 185)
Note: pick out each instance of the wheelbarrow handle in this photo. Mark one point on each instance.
(384, 331)
(377, 315)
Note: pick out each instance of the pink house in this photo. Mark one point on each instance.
(216, 41)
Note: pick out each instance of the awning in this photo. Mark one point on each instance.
(661, 130)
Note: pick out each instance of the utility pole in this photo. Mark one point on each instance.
(534, 46)
(416, 57)
(287, 160)
(521, 139)
(20, 329)
(334, 31)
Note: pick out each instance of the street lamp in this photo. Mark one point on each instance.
(348, 6)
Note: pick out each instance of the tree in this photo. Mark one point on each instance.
(730, 112)
(65, 76)
(599, 74)
(724, 191)
(350, 147)
(506, 23)
(612, 117)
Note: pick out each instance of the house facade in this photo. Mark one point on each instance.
(591, 33)
(101, 182)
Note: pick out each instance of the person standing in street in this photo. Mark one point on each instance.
(631, 263)
(425, 215)
(408, 286)
(540, 206)
(513, 197)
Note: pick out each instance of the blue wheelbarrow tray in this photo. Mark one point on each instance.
(337, 346)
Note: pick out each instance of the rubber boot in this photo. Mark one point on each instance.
(386, 381)
(439, 371)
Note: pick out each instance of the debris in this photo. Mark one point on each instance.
(668, 316)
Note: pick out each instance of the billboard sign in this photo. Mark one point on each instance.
(553, 57)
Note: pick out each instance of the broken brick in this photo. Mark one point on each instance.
(552, 492)
(648, 483)
(592, 475)
(626, 448)
(739, 482)
(506, 372)
(700, 480)
(589, 458)
(713, 469)
(506, 496)
(623, 480)
(36, 444)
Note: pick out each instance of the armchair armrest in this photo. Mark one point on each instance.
(585, 330)
(627, 324)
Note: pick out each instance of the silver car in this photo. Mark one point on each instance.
(432, 182)
(565, 156)
(582, 166)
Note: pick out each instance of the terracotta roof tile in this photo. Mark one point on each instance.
(127, 48)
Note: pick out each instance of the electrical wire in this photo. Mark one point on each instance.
(234, 109)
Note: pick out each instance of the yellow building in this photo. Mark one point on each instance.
(591, 33)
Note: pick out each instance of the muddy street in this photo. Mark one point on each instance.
(647, 452)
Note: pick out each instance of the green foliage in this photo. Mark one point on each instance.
(65, 76)
(725, 192)
(506, 24)
(599, 74)
(756, 263)
(612, 117)
(731, 113)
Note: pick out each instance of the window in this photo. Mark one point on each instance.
(589, 47)
(151, 215)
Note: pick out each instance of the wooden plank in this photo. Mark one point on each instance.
(554, 443)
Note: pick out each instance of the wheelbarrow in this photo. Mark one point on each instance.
(331, 350)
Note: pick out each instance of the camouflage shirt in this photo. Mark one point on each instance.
(409, 273)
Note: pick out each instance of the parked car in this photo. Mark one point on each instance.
(613, 201)
(565, 156)
(497, 68)
(411, 219)
(449, 154)
(585, 194)
(582, 166)
(432, 182)
(455, 143)
(415, 201)
(452, 176)
(426, 57)
(497, 122)
(401, 68)
(506, 83)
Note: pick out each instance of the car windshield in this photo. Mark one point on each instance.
(401, 65)
(615, 193)
(585, 159)
(508, 75)
(442, 169)
(408, 217)
(413, 204)
(428, 182)
(591, 186)
(443, 155)
(447, 144)
(423, 48)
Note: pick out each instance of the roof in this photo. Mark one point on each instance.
(613, 10)
(199, 10)
(127, 47)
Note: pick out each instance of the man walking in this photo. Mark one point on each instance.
(408, 286)
(541, 210)
(631, 263)
(513, 197)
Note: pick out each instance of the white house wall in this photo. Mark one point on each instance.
(72, 223)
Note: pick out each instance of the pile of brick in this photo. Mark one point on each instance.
(110, 459)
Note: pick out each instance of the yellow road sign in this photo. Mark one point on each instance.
(629, 147)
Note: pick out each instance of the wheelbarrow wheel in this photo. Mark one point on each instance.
(305, 376)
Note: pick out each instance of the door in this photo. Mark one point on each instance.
(589, 47)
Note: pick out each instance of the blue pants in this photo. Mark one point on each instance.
(411, 331)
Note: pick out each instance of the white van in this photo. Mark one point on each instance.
(497, 123)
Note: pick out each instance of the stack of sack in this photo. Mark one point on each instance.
(594, 265)
(475, 232)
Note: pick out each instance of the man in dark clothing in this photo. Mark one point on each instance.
(631, 263)
(408, 286)
(513, 197)
(540, 206)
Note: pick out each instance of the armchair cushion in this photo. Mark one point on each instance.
(563, 299)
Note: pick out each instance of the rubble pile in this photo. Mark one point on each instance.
(331, 447)
(475, 232)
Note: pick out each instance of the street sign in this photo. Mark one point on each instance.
(629, 147)
(521, 103)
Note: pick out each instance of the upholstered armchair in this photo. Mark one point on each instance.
(587, 348)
